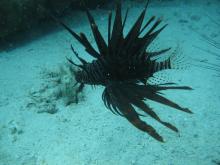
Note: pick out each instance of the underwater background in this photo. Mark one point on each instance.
(40, 122)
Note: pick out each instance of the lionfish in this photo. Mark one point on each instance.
(123, 66)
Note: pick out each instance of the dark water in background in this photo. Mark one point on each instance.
(39, 126)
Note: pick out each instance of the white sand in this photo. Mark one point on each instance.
(88, 133)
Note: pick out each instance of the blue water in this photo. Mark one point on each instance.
(39, 125)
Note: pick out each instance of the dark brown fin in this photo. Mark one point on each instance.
(150, 92)
(110, 101)
(148, 38)
(77, 56)
(148, 23)
(124, 106)
(114, 98)
(132, 40)
(138, 102)
(117, 31)
(88, 46)
(80, 39)
(153, 27)
(160, 99)
(102, 46)
(132, 116)
(135, 30)
(159, 88)
(76, 36)
(125, 19)
(170, 83)
(121, 97)
(80, 66)
(71, 62)
(117, 102)
(109, 26)
(107, 101)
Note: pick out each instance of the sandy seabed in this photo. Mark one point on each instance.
(87, 133)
